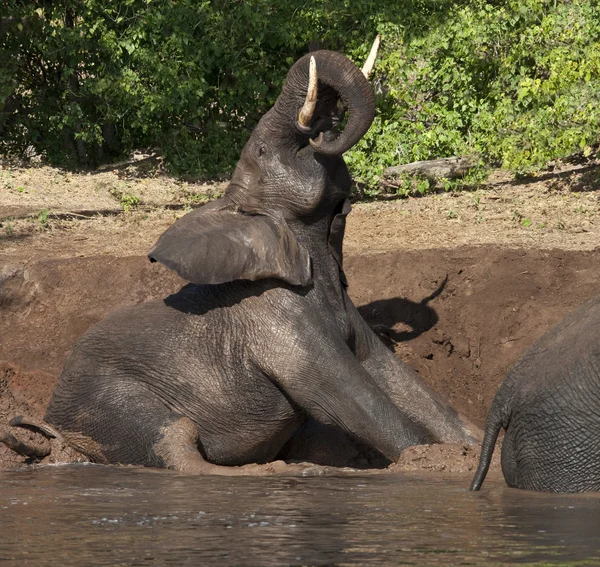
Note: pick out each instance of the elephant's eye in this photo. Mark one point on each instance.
(262, 150)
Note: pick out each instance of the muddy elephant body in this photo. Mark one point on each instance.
(549, 406)
(264, 337)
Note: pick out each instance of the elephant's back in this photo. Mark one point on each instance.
(563, 360)
(154, 344)
(554, 390)
(552, 441)
(109, 353)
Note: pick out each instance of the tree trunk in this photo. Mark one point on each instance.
(435, 169)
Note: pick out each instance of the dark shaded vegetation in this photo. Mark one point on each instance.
(87, 82)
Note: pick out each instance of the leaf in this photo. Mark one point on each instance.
(129, 47)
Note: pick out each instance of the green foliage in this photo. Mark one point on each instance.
(84, 82)
(517, 82)
(127, 200)
(42, 217)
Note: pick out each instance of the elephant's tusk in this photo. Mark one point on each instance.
(370, 62)
(306, 112)
(316, 143)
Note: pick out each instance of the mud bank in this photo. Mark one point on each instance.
(459, 316)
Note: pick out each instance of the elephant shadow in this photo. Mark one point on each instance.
(384, 314)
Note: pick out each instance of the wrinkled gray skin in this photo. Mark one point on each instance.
(227, 369)
(549, 406)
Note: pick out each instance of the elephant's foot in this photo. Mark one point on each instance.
(178, 449)
(25, 448)
(34, 447)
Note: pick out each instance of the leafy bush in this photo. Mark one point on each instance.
(88, 81)
(517, 82)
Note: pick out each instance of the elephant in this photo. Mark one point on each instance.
(549, 406)
(264, 336)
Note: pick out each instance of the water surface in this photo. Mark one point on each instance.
(95, 515)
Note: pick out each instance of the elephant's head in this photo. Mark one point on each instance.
(293, 160)
(290, 175)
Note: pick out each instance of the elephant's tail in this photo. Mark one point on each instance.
(487, 447)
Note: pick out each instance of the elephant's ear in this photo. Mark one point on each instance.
(217, 244)
(336, 236)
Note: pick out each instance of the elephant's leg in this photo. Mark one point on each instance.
(127, 424)
(123, 423)
(509, 463)
(178, 449)
(407, 390)
(321, 375)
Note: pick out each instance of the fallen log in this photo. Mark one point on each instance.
(434, 169)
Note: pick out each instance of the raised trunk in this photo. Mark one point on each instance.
(339, 73)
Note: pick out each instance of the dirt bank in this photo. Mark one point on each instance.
(50, 213)
(458, 299)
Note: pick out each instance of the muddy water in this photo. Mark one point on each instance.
(94, 515)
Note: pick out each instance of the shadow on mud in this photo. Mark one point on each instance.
(384, 314)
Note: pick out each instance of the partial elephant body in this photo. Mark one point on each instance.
(549, 406)
(226, 370)
(200, 368)
(194, 356)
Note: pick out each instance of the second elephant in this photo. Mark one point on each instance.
(549, 406)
